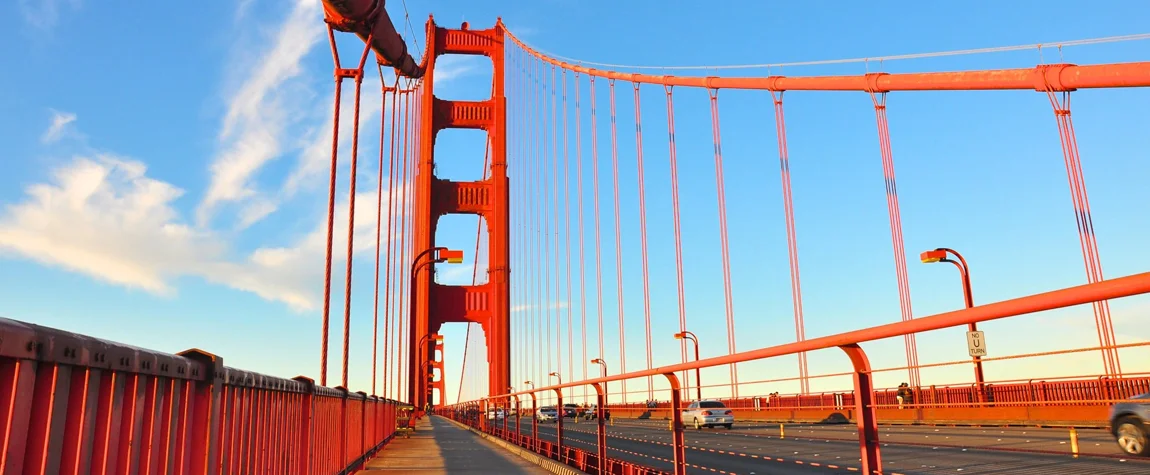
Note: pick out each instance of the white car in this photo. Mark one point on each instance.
(495, 414)
(702, 414)
(547, 414)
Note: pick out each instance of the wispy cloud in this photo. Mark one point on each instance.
(452, 67)
(44, 14)
(102, 216)
(257, 115)
(59, 126)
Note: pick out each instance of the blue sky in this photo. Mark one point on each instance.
(164, 181)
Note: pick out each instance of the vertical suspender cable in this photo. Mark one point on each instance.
(896, 232)
(542, 269)
(792, 246)
(330, 210)
(1085, 223)
(618, 244)
(598, 235)
(405, 271)
(358, 77)
(555, 216)
(378, 237)
(567, 232)
(643, 235)
(722, 203)
(582, 259)
(678, 234)
(387, 322)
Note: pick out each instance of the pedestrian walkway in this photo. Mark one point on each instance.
(437, 446)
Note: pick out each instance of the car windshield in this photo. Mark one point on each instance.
(711, 405)
(548, 409)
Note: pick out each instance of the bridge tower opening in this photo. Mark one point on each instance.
(487, 304)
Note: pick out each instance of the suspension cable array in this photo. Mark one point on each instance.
(1052, 79)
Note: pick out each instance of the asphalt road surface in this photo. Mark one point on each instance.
(807, 448)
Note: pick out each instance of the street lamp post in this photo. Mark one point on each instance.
(698, 382)
(442, 254)
(942, 255)
(602, 364)
(423, 367)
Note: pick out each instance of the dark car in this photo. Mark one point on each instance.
(1129, 423)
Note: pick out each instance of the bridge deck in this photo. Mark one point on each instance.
(438, 446)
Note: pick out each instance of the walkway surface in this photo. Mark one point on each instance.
(438, 446)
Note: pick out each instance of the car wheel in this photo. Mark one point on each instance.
(698, 426)
(728, 426)
(1131, 437)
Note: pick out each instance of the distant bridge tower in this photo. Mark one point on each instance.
(487, 304)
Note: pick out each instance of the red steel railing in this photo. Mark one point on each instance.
(73, 404)
(864, 405)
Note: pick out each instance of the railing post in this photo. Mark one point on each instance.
(534, 423)
(206, 393)
(677, 444)
(307, 407)
(483, 414)
(601, 432)
(518, 436)
(869, 452)
(558, 424)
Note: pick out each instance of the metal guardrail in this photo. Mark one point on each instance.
(864, 405)
(74, 404)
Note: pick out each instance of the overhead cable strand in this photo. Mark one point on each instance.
(937, 54)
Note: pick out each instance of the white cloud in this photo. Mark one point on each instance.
(44, 14)
(58, 127)
(452, 67)
(104, 217)
(456, 274)
(314, 163)
(258, 113)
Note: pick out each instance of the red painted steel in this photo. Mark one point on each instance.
(435, 304)
(1054, 77)
(864, 405)
(369, 20)
(74, 404)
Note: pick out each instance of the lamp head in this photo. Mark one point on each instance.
(932, 256)
(597, 361)
(680, 335)
(451, 256)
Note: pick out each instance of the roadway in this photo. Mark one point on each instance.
(808, 448)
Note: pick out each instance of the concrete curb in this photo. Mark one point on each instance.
(546, 463)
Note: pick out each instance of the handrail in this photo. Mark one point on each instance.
(1108, 289)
